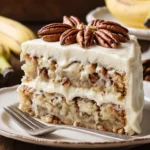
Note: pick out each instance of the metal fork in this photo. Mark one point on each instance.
(34, 127)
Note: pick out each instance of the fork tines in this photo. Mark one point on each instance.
(23, 119)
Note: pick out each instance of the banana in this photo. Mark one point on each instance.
(131, 12)
(18, 26)
(13, 33)
(5, 67)
(11, 43)
(5, 51)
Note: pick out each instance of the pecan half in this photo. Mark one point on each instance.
(85, 38)
(68, 37)
(44, 72)
(52, 32)
(72, 21)
(120, 32)
(95, 22)
(106, 39)
(103, 71)
(93, 77)
(121, 37)
(146, 69)
(65, 82)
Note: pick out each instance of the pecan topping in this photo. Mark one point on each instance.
(106, 39)
(104, 33)
(52, 32)
(146, 69)
(72, 21)
(95, 22)
(68, 37)
(115, 28)
(109, 34)
(85, 38)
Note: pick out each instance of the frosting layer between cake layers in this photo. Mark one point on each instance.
(125, 59)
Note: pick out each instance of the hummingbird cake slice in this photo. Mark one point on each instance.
(89, 76)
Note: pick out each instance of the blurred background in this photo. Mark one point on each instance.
(36, 13)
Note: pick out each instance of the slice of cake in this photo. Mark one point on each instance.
(95, 83)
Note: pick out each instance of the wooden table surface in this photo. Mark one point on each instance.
(10, 144)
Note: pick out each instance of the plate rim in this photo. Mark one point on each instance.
(71, 144)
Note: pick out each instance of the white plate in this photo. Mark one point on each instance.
(103, 13)
(63, 138)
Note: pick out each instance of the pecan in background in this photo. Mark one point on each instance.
(146, 69)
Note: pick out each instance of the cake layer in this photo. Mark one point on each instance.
(53, 108)
(93, 76)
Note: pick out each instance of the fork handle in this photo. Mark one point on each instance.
(92, 132)
(95, 132)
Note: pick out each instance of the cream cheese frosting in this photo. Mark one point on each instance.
(126, 58)
(125, 54)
